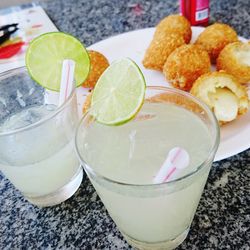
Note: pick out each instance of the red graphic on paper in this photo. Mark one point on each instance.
(10, 50)
(36, 26)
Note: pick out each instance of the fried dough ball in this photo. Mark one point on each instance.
(215, 37)
(159, 50)
(223, 94)
(98, 63)
(174, 99)
(174, 24)
(235, 60)
(185, 65)
(87, 103)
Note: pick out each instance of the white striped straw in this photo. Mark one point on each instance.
(67, 80)
(177, 159)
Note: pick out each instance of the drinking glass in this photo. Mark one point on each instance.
(37, 140)
(150, 216)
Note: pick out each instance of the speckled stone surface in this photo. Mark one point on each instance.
(222, 220)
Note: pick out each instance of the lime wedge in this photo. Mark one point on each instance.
(119, 93)
(46, 53)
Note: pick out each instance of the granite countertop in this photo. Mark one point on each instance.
(222, 219)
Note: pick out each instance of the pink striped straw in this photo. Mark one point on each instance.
(177, 160)
(67, 80)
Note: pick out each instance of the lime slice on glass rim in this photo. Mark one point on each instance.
(46, 53)
(119, 93)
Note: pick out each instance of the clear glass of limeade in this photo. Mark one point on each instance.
(121, 162)
(37, 140)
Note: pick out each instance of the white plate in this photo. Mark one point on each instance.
(235, 136)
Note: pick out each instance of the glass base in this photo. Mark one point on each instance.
(60, 195)
(164, 245)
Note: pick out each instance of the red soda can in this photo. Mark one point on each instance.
(196, 11)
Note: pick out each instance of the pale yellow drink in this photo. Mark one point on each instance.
(122, 161)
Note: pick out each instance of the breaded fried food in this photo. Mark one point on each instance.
(223, 94)
(175, 99)
(87, 103)
(215, 37)
(159, 50)
(98, 63)
(235, 60)
(174, 24)
(185, 65)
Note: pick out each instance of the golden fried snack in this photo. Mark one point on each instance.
(215, 37)
(175, 99)
(159, 50)
(87, 103)
(98, 63)
(174, 24)
(185, 65)
(223, 94)
(235, 60)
